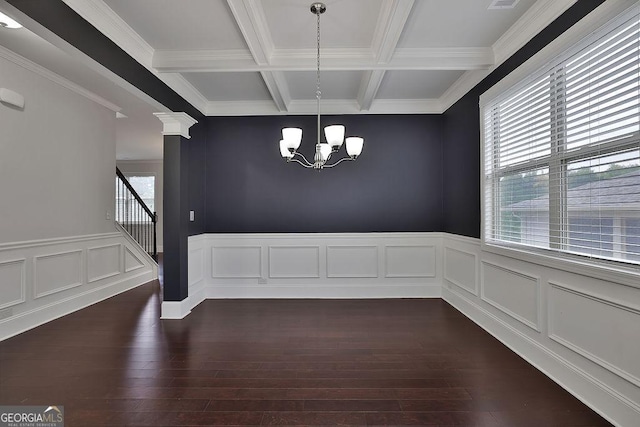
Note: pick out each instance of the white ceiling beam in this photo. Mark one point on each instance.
(278, 88)
(475, 58)
(330, 106)
(252, 21)
(391, 22)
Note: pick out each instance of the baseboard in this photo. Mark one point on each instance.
(325, 291)
(611, 405)
(33, 318)
(180, 309)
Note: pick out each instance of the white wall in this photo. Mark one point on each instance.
(58, 250)
(57, 160)
(582, 331)
(149, 167)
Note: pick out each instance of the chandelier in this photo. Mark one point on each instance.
(334, 134)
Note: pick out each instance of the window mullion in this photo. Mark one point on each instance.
(557, 168)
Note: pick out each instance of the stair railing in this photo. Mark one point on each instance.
(133, 214)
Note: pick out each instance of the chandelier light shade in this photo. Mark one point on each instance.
(334, 134)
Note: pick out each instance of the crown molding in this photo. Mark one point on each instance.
(185, 89)
(242, 108)
(55, 78)
(101, 16)
(435, 58)
(534, 20)
(406, 106)
(203, 60)
(460, 87)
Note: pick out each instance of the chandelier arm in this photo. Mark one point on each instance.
(307, 165)
(306, 162)
(338, 162)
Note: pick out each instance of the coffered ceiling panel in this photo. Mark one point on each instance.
(335, 84)
(435, 23)
(229, 86)
(352, 23)
(416, 84)
(184, 24)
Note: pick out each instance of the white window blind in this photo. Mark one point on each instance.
(562, 151)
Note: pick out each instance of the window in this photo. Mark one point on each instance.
(561, 156)
(144, 186)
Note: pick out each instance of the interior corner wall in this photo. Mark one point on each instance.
(394, 186)
(461, 131)
(149, 167)
(57, 160)
(197, 165)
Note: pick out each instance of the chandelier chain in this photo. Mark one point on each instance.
(318, 93)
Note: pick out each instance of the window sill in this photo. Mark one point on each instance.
(621, 274)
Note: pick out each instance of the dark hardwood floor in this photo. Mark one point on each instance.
(268, 362)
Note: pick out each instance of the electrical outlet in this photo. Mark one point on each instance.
(108, 215)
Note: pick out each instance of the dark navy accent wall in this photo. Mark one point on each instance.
(176, 220)
(461, 131)
(396, 185)
(196, 170)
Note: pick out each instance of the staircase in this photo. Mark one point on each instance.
(134, 216)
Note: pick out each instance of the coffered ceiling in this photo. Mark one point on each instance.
(257, 57)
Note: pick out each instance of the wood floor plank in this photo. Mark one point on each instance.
(279, 362)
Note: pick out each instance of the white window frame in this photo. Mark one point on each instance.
(580, 33)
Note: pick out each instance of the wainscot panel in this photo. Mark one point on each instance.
(352, 261)
(410, 261)
(42, 280)
(239, 262)
(294, 261)
(514, 292)
(613, 341)
(460, 268)
(103, 262)
(56, 272)
(131, 261)
(12, 282)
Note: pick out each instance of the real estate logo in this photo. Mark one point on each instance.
(32, 416)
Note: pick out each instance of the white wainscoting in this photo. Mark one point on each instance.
(366, 265)
(581, 331)
(43, 280)
(13, 282)
(516, 293)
